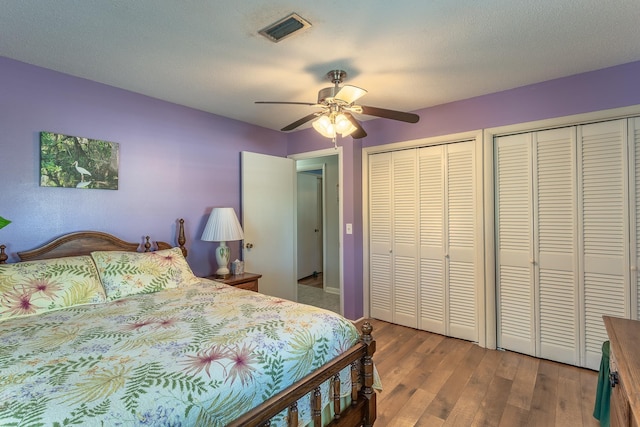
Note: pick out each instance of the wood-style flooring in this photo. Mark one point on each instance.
(315, 280)
(432, 380)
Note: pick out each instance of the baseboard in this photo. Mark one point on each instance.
(330, 290)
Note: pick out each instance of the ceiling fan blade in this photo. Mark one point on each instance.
(390, 114)
(299, 122)
(350, 94)
(359, 132)
(285, 102)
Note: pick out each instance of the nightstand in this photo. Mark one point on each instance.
(248, 281)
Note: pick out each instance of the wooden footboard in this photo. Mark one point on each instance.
(362, 410)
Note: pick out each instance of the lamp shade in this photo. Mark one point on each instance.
(343, 125)
(222, 226)
(324, 126)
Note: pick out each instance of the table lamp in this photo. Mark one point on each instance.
(222, 226)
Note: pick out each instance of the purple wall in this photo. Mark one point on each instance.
(593, 91)
(170, 154)
(175, 162)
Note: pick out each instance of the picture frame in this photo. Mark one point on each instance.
(78, 162)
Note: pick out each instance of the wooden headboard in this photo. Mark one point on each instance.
(85, 242)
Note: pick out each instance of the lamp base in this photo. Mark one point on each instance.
(222, 276)
(222, 258)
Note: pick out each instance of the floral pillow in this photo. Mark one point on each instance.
(127, 273)
(33, 287)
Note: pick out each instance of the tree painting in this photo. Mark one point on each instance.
(72, 161)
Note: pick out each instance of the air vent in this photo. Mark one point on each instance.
(285, 27)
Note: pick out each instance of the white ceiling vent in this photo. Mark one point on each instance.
(285, 27)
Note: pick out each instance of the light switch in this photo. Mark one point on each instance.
(349, 229)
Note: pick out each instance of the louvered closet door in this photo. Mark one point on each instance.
(405, 238)
(380, 237)
(448, 188)
(433, 295)
(634, 138)
(603, 204)
(537, 259)
(555, 245)
(514, 243)
(460, 191)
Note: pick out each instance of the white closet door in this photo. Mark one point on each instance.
(460, 250)
(405, 238)
(380, 237)
(433, 302)
(555, 241)
(634, 151)
(448, 225)
(603, 204)
(514, 243)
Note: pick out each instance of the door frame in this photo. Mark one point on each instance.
(323, 153)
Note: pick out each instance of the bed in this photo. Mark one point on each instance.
(95, 330)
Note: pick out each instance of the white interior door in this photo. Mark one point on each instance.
(562, 203)
(515, 279)
(604, 222)
(309, 224)
(634, 202)
(462, 188)
(380, 238)
(269, 222)
(555, 245)
(404, 214)
(433, 288)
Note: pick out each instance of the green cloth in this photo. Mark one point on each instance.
(603, 393)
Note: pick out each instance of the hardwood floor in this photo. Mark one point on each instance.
(432, 380)
(314, 280)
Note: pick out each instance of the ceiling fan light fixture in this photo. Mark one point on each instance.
(326, 95)
(350, 94)
(337, 108)
(343, 125)
(324, 127)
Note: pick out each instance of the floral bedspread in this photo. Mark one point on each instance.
(200, 355)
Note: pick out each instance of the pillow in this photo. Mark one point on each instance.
(32, 287)
(128, 273)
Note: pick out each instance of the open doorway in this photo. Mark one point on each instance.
(310, 219)
(318, 236)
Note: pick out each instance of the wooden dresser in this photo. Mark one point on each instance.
(624, 363)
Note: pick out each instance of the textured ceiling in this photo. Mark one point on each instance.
(408, 54)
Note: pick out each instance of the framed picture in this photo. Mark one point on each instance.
(73, 161)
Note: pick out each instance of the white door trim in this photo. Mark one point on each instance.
(322, 153)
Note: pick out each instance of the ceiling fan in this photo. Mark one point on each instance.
(337, 106)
